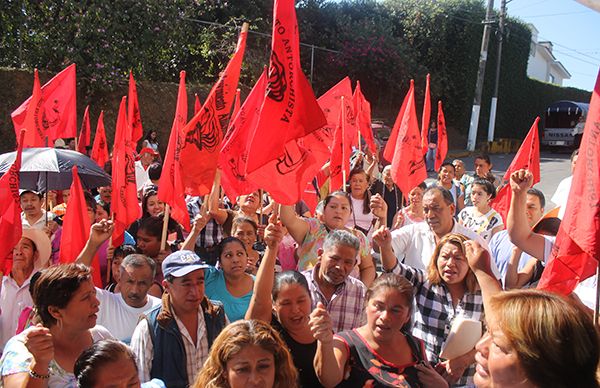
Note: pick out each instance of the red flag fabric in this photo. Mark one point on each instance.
(426, 117)
(408, 167)
(362, 111)
(339, 168)
(133, 111)
(330, 103)
(197, 104)
(170, 187)
(577, 246)
(442, 144)
(100, 147)
(76, 229)
(59, 106)
(527, 157)
(11, 228)
(236, 108)
(290, 110)
(204, 133)
(234, 153)
(35, 136)
(124, 204)
(84, 133)
(390, 146)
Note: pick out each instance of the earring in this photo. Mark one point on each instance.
(59, 323)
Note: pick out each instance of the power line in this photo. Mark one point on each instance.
(577, 58)
(555, 14)
(255, 33)
(571, 49)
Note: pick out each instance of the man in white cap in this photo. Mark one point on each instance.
(30, 255)
(33, 216)
(173, 340)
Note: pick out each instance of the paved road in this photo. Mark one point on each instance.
(553, 167)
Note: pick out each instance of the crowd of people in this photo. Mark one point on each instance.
(373, 288)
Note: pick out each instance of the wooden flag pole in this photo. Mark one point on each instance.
(260, 195)
(344, 156)
(109, 264)
(596, 309)
(163, 239)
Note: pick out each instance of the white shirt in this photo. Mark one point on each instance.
(365, 221)
(13, 299)
(561, 196)
(141, 175)
(118, 317)
(40, 223)
(414, 244)
(195, 353)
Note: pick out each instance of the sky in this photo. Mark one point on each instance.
(573, 29)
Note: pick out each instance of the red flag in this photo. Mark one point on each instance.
(408, 167)
(84, 133)
(124, 204)
(170, 188)
(426, 118)
(11, 228)
(290, 110)
(330, 103)
(204, 132)
(76, 229)
(234, 153)
(236, 108)
(35, 136)
(59, 106)
(362, 111)
(197, 104)
(390, 146)
(100, 147)
(577, 246)
(442, 144)
(133, 112)
(528, 158)
(339, 167)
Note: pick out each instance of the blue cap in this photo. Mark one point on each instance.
(181, 263)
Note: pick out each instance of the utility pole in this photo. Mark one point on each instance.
(494, 104)
(480, 77)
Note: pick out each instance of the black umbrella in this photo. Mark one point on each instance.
(44, 169)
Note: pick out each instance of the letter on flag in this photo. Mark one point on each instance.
(59, 106)
(133, 111)
(76, 229)
(408, 167)
(426, 118)
(124, 204)
(170, 188)
(290, 110)
(11, 228)
(577, 246)
(100, 147)
(527, 158)
(84, 133)
(442, 144)
(362, 111)
(204, 133)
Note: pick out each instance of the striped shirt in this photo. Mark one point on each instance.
(212, 233)
(435, 314)
(347, 305)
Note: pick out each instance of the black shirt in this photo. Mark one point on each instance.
(302, 354)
